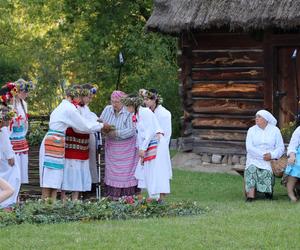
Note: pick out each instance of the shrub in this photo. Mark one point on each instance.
(36, 134)
(288, 130)
(46, 212)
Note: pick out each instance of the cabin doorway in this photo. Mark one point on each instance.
(287, 85)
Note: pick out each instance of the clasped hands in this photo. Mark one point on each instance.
(267, 157)
(109, 130)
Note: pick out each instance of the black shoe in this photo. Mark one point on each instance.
(249, 199)
(269, 196)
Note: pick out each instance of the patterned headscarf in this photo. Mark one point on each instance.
(267, 116)
(117, 95)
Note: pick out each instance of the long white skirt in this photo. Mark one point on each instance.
(22, 160)
(154, 175)
(77, 176)
(49, 178)
(13, 176)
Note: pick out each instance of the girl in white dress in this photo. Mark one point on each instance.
(153, 101)
(148, 171)
(10, 178)
(19, 127)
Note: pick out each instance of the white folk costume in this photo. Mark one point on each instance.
(19, 129)
(163, 117)
(9, 173)
(77, 174)
(148, 173)
(89, 115)
(52, 151)
(258, 172)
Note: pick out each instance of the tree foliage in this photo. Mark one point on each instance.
(56, 43)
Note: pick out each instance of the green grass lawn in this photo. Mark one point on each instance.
(230, 223)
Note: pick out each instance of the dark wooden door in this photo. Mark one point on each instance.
(285, 89)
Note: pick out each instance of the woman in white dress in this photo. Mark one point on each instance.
(153, 101)
(52, 151)
(10, 177)
(77, 176)
(19, 127)
(148, 171)
(263, 143)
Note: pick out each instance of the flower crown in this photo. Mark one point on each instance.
(135, 101)
(153, 96)
(85, 92)
(23, 86)
(94, 89)
(74, 91)
(89, 89)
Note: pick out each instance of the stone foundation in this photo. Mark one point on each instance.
(229, 159)
(205, 158)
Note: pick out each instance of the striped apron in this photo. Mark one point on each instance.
(54, 150)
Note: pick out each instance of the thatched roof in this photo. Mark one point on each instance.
(175, 16)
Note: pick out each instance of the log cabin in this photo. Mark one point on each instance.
(235, 57)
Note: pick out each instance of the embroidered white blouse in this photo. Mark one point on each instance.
(261, 141)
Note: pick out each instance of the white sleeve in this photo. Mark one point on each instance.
(279, 145)
(7, 150)
(150, 127)
(75, 120)
(166, 123)
(294, 142)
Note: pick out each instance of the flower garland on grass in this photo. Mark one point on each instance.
(46, 212)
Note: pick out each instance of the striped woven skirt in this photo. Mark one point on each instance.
(20, 144)
(121, 157)
(54, 150)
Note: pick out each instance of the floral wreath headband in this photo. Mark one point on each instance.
(87, 92)
(73, 92)
(7, 112)
(150, 95)
(94, 89)
(23, 86)
(135, 101)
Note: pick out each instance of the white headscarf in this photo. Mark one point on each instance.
(267, 116)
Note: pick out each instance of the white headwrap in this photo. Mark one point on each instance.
(267, 116)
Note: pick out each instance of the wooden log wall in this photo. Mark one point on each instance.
(222, 87)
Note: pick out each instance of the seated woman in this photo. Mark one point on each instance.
(293, 169)
(263, 143)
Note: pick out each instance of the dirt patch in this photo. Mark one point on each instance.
(193, 162)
